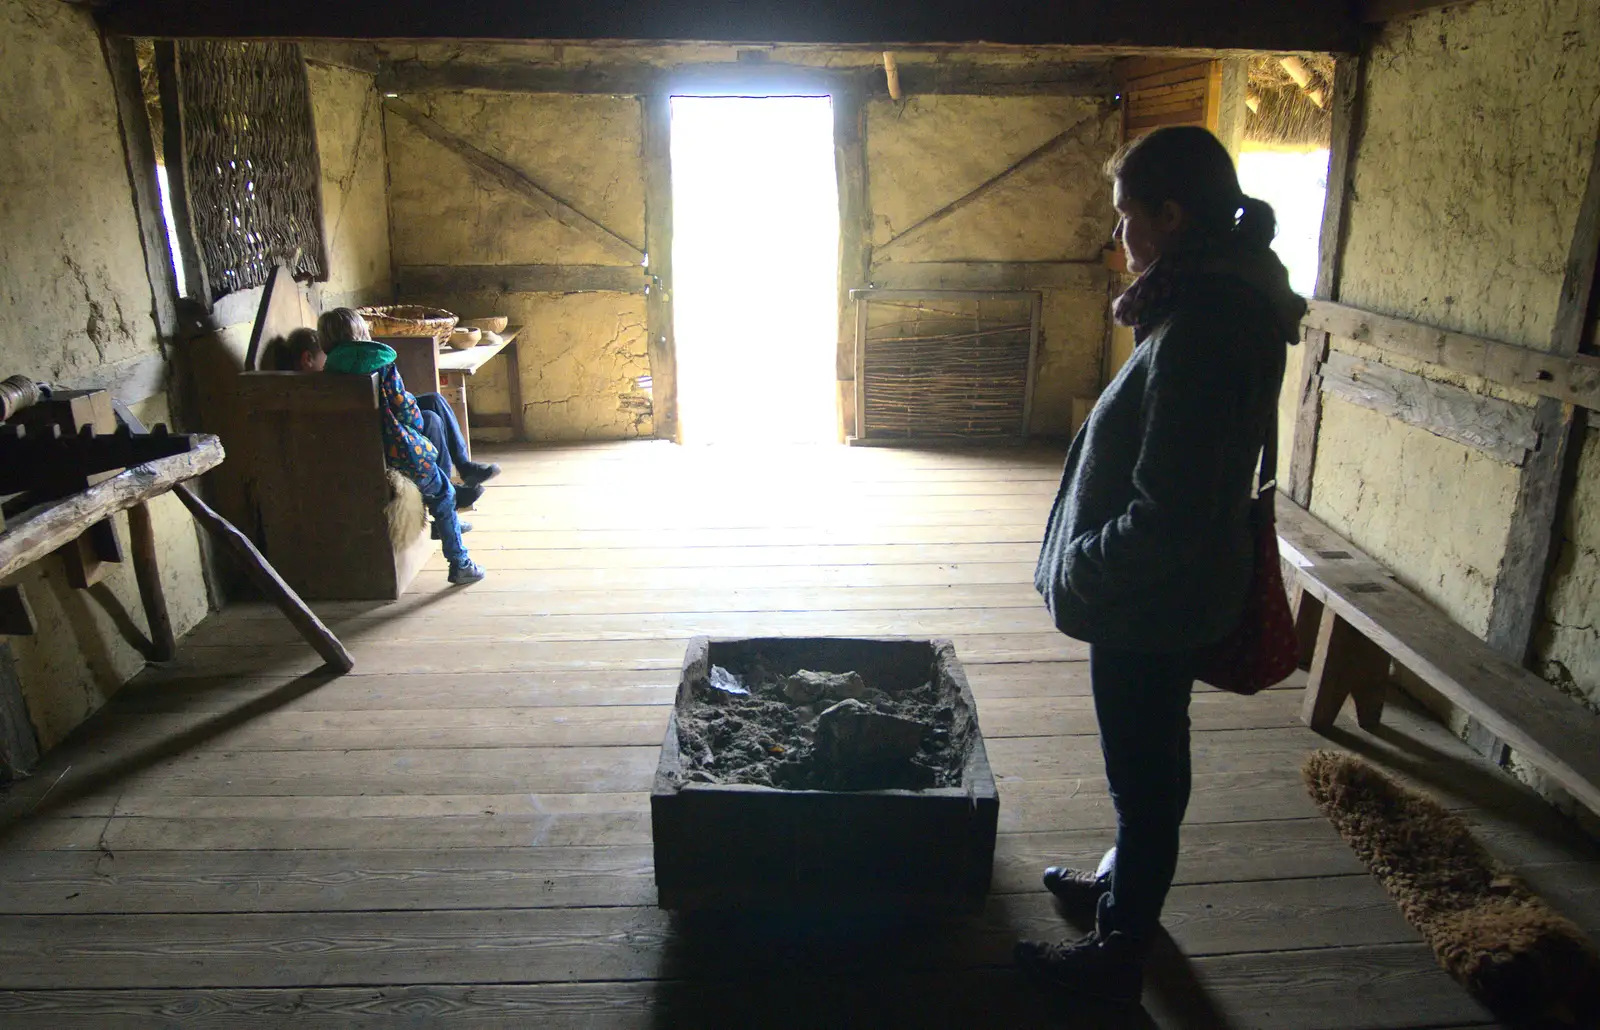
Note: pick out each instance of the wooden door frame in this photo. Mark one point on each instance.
(846, 90)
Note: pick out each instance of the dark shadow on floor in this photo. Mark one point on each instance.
(1454, 779)
(840, 970)
(90, 759)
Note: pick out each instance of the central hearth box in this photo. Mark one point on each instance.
(721, 845)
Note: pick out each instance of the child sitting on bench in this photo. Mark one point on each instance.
(302, 352)
(407, 449)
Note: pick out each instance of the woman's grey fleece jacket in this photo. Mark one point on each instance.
(1149, 546)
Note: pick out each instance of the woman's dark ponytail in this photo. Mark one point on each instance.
(1257, 223)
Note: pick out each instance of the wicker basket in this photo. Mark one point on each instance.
(409, 320)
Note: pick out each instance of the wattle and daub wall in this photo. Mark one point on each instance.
(1476, 131)
(465, 239)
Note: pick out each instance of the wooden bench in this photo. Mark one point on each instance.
(318, 479)
(1353, 616)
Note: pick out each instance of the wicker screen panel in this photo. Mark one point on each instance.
(956, 366)
(250, 162)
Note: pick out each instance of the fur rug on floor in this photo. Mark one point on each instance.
(1529, 965)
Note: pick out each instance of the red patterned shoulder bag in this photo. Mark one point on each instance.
(1263, 648)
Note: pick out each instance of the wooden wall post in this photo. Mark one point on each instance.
(140, 151)
(663, 348)
(1330, 253)
(855, 239)
(19, 746)
(170, 74)
(1533, 541)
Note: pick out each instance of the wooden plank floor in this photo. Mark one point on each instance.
(458, 832)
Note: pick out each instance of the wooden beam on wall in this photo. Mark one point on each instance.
(1501, 429)
(517, 182)
(662, 348)
(991, 275)
(967, 77)
(421, 281)
(1330, 252)
(1275, 25)
(975, 194)
(1573, 380)
(1533, 542)
(513, 77)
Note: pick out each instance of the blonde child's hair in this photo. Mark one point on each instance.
(342, 325)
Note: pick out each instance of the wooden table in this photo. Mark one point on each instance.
(455, 366)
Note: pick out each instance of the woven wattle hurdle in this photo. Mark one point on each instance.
(250, 161)
(947, 376)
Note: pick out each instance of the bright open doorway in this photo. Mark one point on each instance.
(755, 223)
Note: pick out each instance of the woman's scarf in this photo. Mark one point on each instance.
(1159, 289)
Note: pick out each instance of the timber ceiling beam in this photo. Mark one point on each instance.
(963, 77)
(1279, 25)
(1373, 11)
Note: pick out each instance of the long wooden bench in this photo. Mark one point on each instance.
(1353, 616)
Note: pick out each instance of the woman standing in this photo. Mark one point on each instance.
(1148, 552)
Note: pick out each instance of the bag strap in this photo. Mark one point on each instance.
(1269, 457)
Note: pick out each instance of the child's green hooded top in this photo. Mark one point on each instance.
(405, 448)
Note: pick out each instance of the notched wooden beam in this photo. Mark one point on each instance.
(38, 533)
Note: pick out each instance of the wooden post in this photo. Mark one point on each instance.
(140, 151)
(170, 75)
(1346, 664)
(163, 643)
(657, 113)
(519, 417)
(19, 747)
(1533, 542)
(267, 579)
(855, 244)
(1308, 610)
(1330, 253)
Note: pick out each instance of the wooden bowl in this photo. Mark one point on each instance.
(489, 325)
(465, 339)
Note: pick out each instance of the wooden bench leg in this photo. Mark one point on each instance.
(1346, 664)
(163, 643)
(267, 579)
(1307, 617)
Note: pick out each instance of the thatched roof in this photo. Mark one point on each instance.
(1285, 116)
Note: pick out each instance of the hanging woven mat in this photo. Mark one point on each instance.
(1499, 940)
(409, 320)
